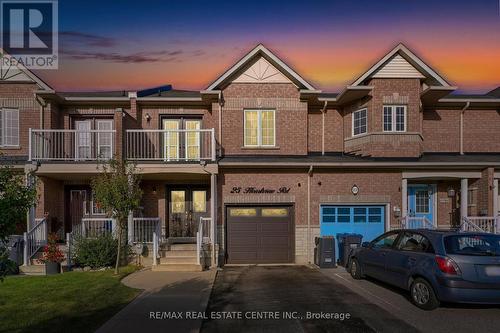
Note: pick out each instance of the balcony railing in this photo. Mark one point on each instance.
(71, 145)
(170, 145)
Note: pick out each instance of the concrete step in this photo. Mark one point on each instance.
(182, 247)
(178, 260)
(179, 253)
(177, 268)
(32, 270)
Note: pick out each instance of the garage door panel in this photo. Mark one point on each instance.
(264, 238)
(275, 241)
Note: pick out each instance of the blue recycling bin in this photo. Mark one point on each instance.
(346, 242)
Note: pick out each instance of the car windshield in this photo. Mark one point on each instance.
(473, 245)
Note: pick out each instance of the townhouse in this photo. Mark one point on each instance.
(261, 162)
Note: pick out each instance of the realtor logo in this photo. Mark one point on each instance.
(29, 33)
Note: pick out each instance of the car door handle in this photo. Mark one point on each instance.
(412, 260)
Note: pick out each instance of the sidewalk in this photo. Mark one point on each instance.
(164, 293)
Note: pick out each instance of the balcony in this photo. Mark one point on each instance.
(71, 145)
(187, 145)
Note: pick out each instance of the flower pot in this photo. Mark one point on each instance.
(52, 268)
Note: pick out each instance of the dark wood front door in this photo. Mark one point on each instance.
(260, 234)
(185, 207)
(77, 205)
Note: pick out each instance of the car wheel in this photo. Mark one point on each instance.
(422, 295)
(355, 269)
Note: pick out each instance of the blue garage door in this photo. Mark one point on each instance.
(368, 221)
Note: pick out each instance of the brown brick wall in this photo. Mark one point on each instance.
(333, 130)
(479, 126)
(51, 200)
(485, 192)
(441, 130)
(21, 96)
(291, 117)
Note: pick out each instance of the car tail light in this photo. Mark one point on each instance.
(447, 265)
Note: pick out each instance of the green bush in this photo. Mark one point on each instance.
(95, 252)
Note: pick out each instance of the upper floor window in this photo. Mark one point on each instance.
(359, 122)
(9, 127)
(94, 138)
(260, 128)
(394, 118)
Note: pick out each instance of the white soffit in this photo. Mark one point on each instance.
(262, 71)
(398, 67)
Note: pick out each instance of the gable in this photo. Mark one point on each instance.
(13, 74)
(398, 67)
(401, 62)
(19, 73)
(260, 65)
(261, 71)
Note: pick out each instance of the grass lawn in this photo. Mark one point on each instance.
(69, 302)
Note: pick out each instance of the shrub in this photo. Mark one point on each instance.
(95, 252)
(7, 266)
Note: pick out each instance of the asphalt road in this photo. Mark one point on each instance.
(454, 318)
(248, 294)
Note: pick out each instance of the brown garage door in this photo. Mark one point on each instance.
(260, 234)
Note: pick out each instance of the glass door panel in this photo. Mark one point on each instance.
(171, 139)
(83, 142)
(192, 139)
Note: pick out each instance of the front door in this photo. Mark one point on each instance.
(185, 207)
(421, 201)
(77, 205)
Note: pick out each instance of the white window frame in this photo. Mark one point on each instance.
(110, 134)
(93, 207)
(259, 127)
(81, 136)
(3, 129)
(393, 115)
(352, 121)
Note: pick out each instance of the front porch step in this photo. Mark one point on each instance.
(177, 268)
(179, 253)
(178, 260)
(182, 247)
(32, 270)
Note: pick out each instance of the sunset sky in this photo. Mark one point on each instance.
(107, 45)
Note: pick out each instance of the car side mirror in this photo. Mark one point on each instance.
(365, 244)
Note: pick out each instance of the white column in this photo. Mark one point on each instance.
(404, 197)
(130, 226)
(213, 216)
(464, 187)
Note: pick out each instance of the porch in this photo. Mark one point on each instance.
(176, 213)
(448, 200)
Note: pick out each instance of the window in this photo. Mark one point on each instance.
(260, 128)
(415, 243)
(105, 138)
(394, 118)
(9, 127)
(359, 122)
(355, 214)
(178, 201)
(96, 208)
(274, 212)
(199, 201)
(83, 139)
(473, 245)
(385, 241)
(243, 212)
(422, 201)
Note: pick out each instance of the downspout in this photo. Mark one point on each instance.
(220, 122)
(323, 111)
(462, 127)
(308, 242)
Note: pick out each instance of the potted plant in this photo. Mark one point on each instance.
(52, 256)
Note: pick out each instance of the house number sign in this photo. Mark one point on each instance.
(259, 190)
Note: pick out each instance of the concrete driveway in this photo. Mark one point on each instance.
(171, 302)
(311, 301)
(448, 318)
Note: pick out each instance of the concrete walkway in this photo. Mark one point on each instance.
(166, 296)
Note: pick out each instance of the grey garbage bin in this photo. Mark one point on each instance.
(324, 252)
(346, 243)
